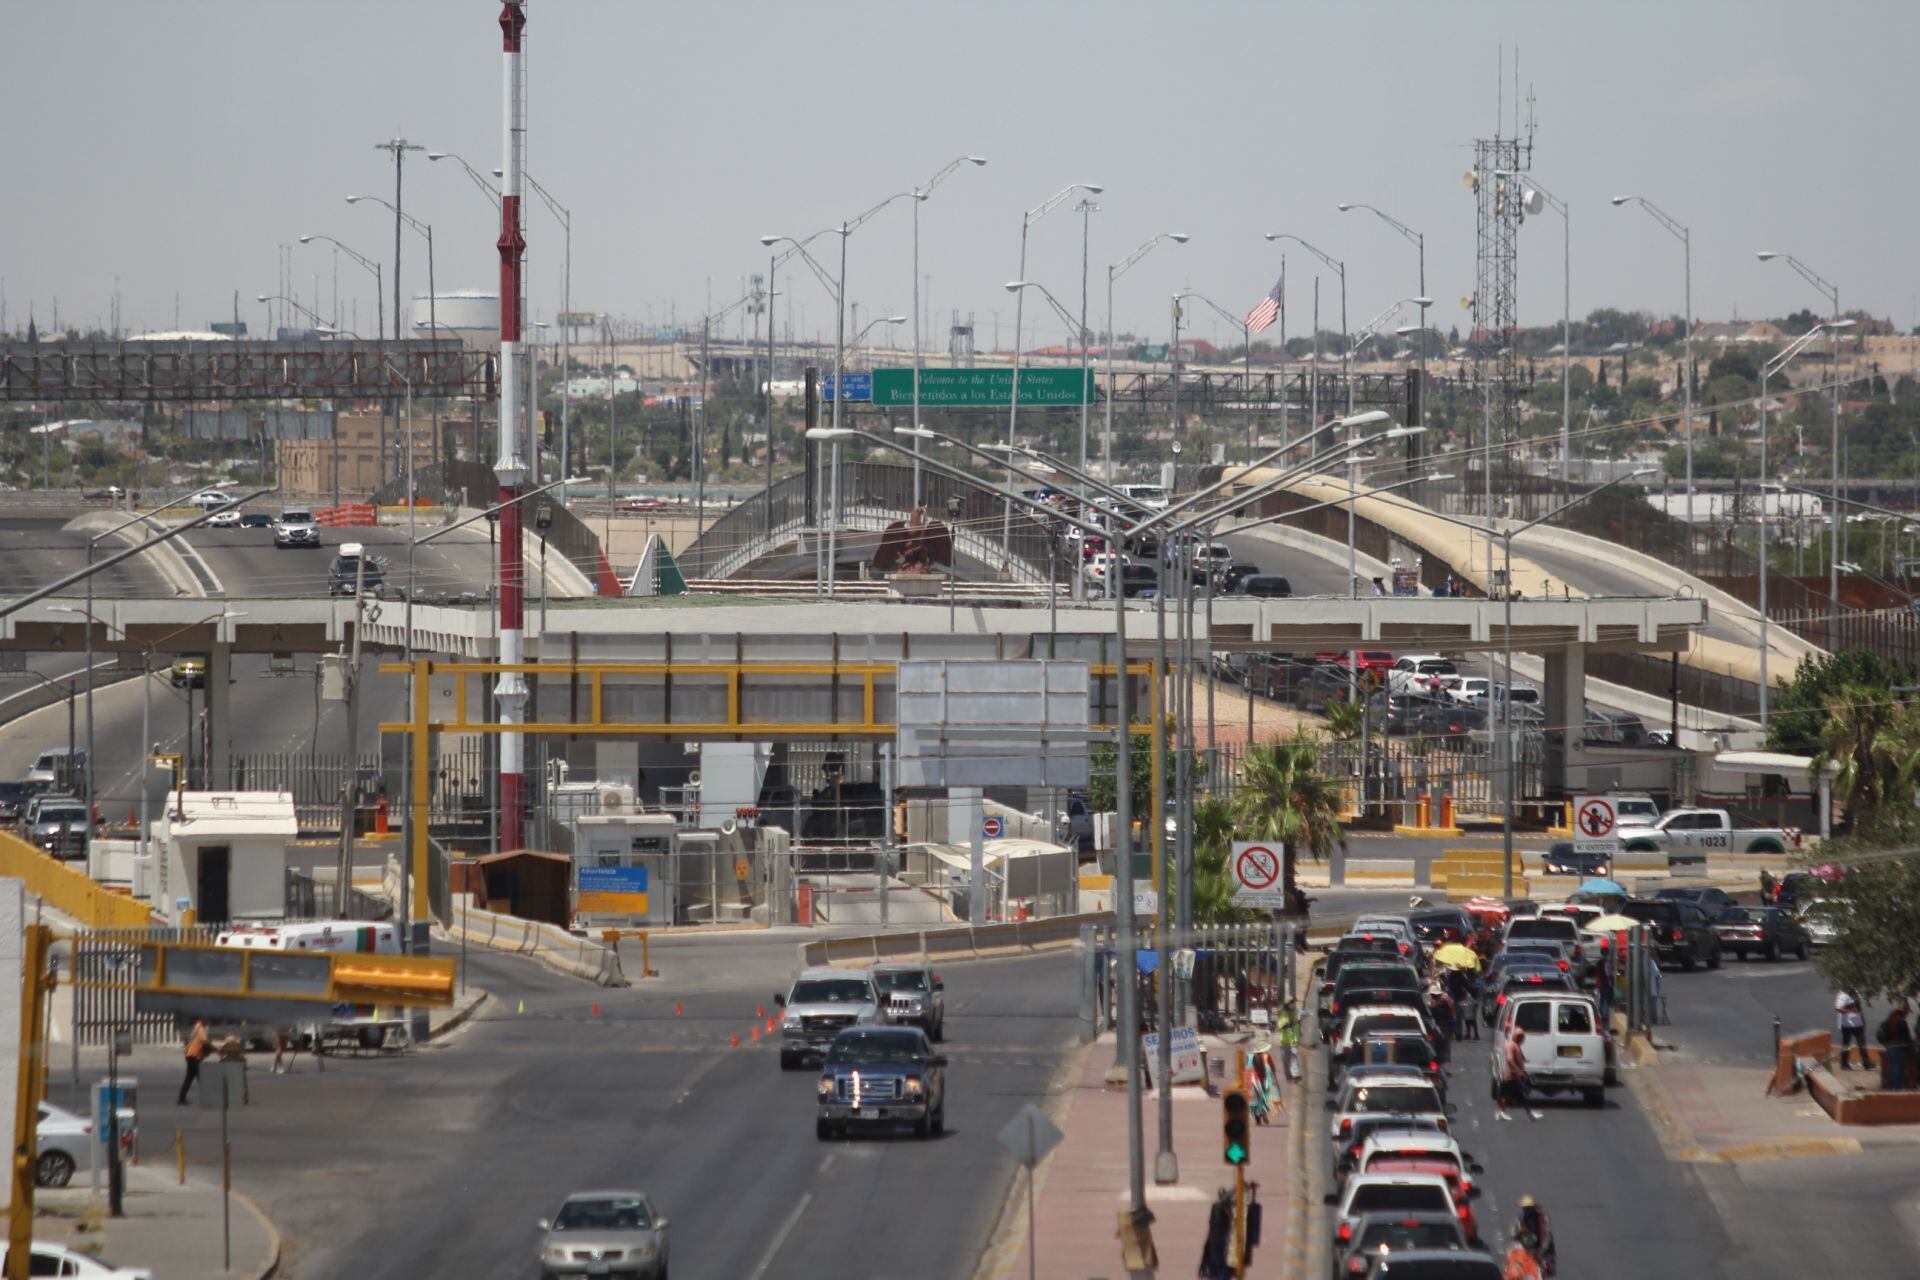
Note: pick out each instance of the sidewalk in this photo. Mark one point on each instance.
(1082, 1186)
(170, 1229)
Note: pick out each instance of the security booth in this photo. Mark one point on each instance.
(623, 869)
(223, 855)
(526, 883)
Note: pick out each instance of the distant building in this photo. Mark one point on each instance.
(307, 466)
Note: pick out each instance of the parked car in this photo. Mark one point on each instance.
(597, 1232)
(1766, 931)
(1417, 671)
(639, 502)
(45, 1258)
(1235, 574)
(1682, 933)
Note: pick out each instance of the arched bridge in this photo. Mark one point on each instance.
(770, 535)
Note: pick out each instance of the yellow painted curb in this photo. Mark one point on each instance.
(1784, 1149)
(1431, 832)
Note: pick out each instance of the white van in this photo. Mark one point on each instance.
(1566, 1046)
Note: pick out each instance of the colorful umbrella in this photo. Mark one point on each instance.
(1612, 924)
(1457, 955)
(1602, 887)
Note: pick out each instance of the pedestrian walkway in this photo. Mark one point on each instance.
(170, 1229)
(1082, 1186)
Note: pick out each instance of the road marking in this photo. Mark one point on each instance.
(826, 1161)
(780, 1237)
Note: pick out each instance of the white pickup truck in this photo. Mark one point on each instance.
(1688, 835)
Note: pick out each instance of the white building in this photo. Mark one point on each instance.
(223, 855)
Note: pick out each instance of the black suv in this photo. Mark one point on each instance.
(1682, 933)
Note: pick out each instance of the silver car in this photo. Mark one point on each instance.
(604, 1233)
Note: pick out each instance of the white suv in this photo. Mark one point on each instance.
(295, 528)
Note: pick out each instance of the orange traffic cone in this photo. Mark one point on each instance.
(756, 1031)
(676, 1008)
(736, 1039)
(761, 1010)
(596, 1008)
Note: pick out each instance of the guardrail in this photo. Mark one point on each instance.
(951, 943)
(70, 891)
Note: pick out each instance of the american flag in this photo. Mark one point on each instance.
(1268, 309)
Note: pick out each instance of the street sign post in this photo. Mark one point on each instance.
(1594, 822)
(1029, 1136)
(980, 388)
(1259, 874)
(992, 827)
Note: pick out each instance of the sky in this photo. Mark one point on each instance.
(175, 147)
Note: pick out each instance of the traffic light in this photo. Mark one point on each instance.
(1236, 1128)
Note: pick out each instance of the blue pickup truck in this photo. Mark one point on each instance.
(881, 1075)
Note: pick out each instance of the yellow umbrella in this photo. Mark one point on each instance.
(1457, 955)
(1611, 924)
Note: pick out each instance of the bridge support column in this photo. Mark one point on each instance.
(219, 717)
(1565, 699)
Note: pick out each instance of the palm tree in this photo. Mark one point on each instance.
(1284, 798)
(1868, 739)
(1212, 846)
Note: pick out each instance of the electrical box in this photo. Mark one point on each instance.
(333, 677)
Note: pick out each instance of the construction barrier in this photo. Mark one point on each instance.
(952, 943)
(68, 891)
(347, 514)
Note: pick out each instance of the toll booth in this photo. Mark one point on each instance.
(624, 870)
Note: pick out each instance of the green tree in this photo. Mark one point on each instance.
(1875, 951)
(1283, 797)
(1343, 720)
(1799, 705)
(1212, 847)
(1871, 742)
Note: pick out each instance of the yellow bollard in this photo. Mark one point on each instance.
(180, 1155)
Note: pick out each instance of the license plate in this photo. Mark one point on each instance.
(866, 1113)
(1571, 1051)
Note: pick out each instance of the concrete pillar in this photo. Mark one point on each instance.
(219, 723)
(1565, 698)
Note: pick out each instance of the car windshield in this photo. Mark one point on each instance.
(1397, 1196)
(622, 1213)
(63, 813)
(1395, 1097)
(1366, 1026)
(901, 979)
(296, 517)
(831, 991)
(876, 1047)
(1392, 1235)
(1542, 927)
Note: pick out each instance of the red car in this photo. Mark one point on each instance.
(640, 502)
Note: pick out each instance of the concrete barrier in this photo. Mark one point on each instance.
(963, 943)
(551, 945)
(1462, 887)
(1382, 871)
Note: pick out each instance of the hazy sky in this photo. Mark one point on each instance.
(175, 145)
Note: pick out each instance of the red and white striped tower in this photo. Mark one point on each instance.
(511, 468)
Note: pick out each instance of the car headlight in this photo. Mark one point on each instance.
(646, 1252)
(825, 1088)
(553, 1253)
(915, 1086)
(791, 1022)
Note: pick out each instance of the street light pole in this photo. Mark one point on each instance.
(920, 195)
(1832, 291)
(1685, 237)
(1114, 272)
(1419, 242)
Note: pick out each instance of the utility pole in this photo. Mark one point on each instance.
(350, 790)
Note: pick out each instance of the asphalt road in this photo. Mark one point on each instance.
(249, 565)
(439, 1163)
(36, 550)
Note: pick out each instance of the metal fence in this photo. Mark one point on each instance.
(106, 964)
(1230, 975)
(1400, 769)
(311, 898)
(314, 778)
(759, 523)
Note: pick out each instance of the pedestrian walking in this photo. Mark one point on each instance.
(1457, 989)
(1603, 982)
(1513, 1075)
(198, 1043)
(1852, 1025)
(1896, 1048)
(1767, 889)
(1286, 1034)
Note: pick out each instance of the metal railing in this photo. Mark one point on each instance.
(756, 526)
(311, 898)
(106, 964)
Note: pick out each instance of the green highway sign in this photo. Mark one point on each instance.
(982, 388)
(1151, 351)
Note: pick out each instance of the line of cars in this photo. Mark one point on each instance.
(1404, 1204)
(46, 807)
(871, 1030)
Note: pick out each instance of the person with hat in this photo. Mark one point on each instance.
(1533, 1226)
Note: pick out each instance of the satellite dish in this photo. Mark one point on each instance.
(1532, 201)
(1470, 179)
